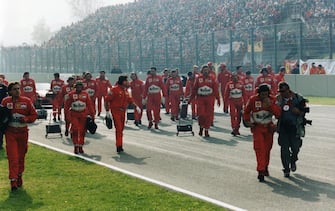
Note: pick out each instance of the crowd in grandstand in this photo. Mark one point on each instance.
(149, 19)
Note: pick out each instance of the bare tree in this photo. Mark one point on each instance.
(82, 8)
(41, 32)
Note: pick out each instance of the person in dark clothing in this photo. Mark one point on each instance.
(295, 70)
(290, 126)
(3, 94)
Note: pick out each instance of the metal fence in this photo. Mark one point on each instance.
(248, 47)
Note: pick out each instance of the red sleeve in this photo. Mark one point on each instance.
(248, 109)
(145, 92)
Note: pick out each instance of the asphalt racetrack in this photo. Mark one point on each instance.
(221, 168)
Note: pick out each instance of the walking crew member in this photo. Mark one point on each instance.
(153, 90)
(117, 102)
(174, 88)
(62, 97)
(28, 87)
(137, 89)
(258, 116)
(188, 92)
(291, 120)
(234, 93)
(224, 77)
(205, 90)
(249, 89)
(103, 84)
(56, 86)
(91, 87)
(23, 112)
(77, 107)
(265, 78)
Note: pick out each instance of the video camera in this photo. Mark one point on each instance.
(306, 109)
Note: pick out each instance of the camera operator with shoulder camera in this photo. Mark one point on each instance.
(291, 126)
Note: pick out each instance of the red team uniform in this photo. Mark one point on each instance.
(174, 89)
(249, 88)
(188, 92)
(56, 86)
(28, 88)
(205, 90)
(260, 115)
(234, 93)
(92, 88)
(137, 89)
(224, 77)
(23, 112)
(118, 100)
(62, 97)
(77, 107)
(103, 84)
(265, 78)
(153, 89)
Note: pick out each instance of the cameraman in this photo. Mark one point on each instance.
(290, 126)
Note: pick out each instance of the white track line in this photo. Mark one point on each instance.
(172, 187)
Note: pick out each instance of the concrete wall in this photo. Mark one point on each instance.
(309, 85)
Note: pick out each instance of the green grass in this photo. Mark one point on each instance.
(321, 100)
(53, 181)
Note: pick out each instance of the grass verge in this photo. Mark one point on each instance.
(53, 181)
(321, 100)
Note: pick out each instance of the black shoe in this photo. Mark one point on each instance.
(140, 122)
(293, 166)
(54, 119)
(167, 113)
(136, 122)
(261, 178)
(266, 172)
(172, 118)
(286, 172)
(150, 125)
(206, 133)
(66, 133)
(201, 131)
(156, 126)
(13, 185)
(19, 181)
(58, 118)
(99, 114)
(119, 149)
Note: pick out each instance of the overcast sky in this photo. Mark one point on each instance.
(18, 17)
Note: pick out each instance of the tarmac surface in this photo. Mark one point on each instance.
(221, 168)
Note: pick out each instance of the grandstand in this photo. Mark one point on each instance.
(180, 33)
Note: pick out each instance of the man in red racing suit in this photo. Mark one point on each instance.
(16, 133)
(62, 96)
(174, 88)
(56, 86)
(137, 89)
(117, 101)
(28, 87)
(103, 84)
(153, 89)
(205, 90)
(77, 107)
(258, 116)
(234, 93)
